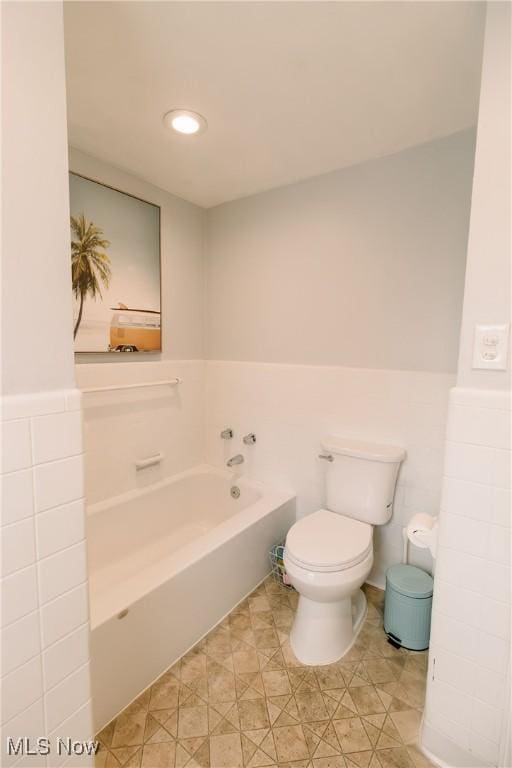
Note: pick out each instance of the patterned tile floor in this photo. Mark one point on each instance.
(240, 699)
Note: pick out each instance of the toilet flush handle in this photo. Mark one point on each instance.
(326, 456)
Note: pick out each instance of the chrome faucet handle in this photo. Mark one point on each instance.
(235, 460)
(249, 439)
(326, 456)
(226, 434)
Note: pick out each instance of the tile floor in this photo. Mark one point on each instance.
(240, 699)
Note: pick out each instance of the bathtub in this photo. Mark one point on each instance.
(166, 564)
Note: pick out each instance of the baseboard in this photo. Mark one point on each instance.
(433, 743)
(379, 585)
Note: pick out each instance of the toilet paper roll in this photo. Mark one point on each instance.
(421, 531)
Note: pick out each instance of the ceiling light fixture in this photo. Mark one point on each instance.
(185, 121)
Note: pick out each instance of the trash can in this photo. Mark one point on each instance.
(408, 606)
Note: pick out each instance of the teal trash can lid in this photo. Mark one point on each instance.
(410, 581)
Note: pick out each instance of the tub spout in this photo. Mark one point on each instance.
(234, 460)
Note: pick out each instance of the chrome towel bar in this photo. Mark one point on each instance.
(111, 388)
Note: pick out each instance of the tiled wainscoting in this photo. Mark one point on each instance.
(44, 616)
(290, 407)
(469, 675)
(240, 699)
(123, 427)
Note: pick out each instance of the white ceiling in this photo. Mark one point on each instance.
(289, 89)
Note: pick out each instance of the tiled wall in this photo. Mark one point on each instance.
(469, 675)
(290, 407)
(122, 427)
(44, 616)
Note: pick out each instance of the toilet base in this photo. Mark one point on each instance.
(323, 633)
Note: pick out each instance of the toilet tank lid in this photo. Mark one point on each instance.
(359, 449)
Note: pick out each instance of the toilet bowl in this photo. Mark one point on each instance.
(329, 553)
(327, 558)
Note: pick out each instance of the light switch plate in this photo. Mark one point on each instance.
(490, 347)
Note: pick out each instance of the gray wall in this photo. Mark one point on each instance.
(487, 289)
(37, 351)
(362, 267)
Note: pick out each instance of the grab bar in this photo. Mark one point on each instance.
(143, 463)
(164, 382)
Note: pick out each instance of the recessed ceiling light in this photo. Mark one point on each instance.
(185, 121)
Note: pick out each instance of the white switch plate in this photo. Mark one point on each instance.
(490, 348)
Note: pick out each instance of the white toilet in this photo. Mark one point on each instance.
(329, 553)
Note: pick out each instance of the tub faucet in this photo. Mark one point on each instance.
(238, 459)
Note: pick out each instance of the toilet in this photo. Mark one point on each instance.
(329, 553)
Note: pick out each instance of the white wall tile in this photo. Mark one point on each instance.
(59, 528)
(15, 454)
(469, 462)
(453, 636)
(28, 724)
(19, 595)
(499, 544)
(290, 408)
(460, 568)
(478, 426)
(17, 496)
(495, 617)
(67, 696)
(456, 671)
(61, 572)
(490, 687)
(486, 720)
(33, 404)
(456, 602)
(455, 732)
(57, 436)
(473, 572)
(78, 726)
(64, 614)
(53, 571)
(138, 423)
(501, 466)
(21, 641)
(493, 652)
(487, 750)
(65, 656)
(58, 483)
(493, 399)
(463, 497)
(465, 534)
(18, 546)
(502, 507)
(21, 688)
(74, 400)
(496, 582)
(451, 703)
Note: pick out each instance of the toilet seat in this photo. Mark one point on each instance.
(326, 541)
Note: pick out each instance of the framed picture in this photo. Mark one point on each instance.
(115, 269)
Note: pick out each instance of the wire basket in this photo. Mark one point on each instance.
(279, 575)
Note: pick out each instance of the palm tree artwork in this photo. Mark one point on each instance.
(90, 265)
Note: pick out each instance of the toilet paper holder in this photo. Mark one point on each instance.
(421, 531)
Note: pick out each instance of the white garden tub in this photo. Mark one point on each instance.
(167, 563)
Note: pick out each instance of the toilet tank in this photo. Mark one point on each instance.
(361, 478)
